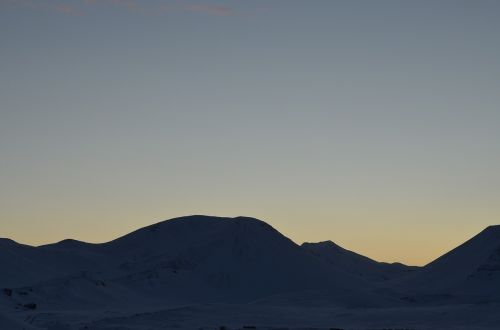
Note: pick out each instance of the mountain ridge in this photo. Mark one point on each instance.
(202, 258)
(356, 264)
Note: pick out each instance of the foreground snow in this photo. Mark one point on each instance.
(216, 316)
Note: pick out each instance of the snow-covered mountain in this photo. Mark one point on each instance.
(356, 264)
(183, 260)
(232, 263)
(468, 273)
(24, 264)
(221, 259)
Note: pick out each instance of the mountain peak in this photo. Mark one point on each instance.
(354, 263)
(473, 263)
(204, 222)
(196, 231)
(207, 218)
(68, 243)
(324, 244)
(492, 228)
(7, 241)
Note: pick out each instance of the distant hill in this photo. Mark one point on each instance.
(23, 264)
(468, 273)
(356, 264)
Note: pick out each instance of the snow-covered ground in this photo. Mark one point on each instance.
(217, 316)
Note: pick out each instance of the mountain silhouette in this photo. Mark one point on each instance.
(356, 264)
(468, 273)
(219, 260)
(187, 259)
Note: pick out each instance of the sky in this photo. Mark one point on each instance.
(374, 124)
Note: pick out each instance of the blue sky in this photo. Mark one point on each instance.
(375, 124)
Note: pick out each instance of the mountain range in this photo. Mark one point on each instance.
(216, 260)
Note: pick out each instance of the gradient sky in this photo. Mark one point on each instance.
(375, 124)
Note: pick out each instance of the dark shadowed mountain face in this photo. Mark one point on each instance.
(236, 259)
(189, 259)
(198, 259)
(22, 264)
(468, 273)
(356, 264)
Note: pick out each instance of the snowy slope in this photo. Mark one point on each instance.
(184, 260)
(468, 273)
(23, 264)
(463, 317)
(200, 258)
(356, 264)
(9, 323)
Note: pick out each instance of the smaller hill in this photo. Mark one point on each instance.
(356, 264)
(468, 273)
